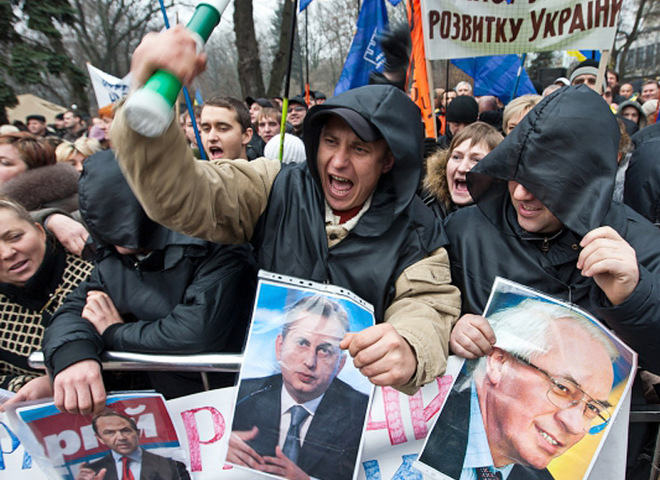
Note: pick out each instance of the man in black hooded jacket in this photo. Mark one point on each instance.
(152, 290)
(349, 216)
(544, 204)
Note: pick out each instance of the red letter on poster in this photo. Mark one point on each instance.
(192, 433)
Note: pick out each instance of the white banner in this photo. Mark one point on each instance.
(473, 28)
(395, 430)
(108, 89)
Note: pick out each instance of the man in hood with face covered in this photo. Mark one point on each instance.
(152, 291)
(349, 216)
(544, 204)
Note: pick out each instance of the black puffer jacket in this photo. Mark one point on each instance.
(397, 230)
(186, 296)
(564, 152)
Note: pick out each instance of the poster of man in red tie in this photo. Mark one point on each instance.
(126, 460)
(133, 438)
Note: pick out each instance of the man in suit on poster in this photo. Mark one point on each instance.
(126, 460)
(542, 389)
(312, 426)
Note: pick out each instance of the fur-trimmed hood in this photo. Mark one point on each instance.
(50, 186)
(435, 181)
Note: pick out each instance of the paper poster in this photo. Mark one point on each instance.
(134, 433)
(541, 404)
(301, 404)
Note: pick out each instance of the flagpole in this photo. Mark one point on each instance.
(285, 100)
(429, 76)
(520, 68)
(186, 96)
(602, 67)
(307, 92)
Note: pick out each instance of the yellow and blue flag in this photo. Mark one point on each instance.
(583, 55)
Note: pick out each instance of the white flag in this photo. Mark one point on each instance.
(108, 89)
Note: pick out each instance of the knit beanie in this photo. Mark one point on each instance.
(463, 109)
(294, 149)
(587, 67)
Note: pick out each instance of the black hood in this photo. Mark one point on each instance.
(564, 151)
(398, 120)
(112, 212)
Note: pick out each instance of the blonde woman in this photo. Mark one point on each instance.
(516, 110)
(76, 152)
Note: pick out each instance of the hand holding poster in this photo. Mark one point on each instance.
(472, 28)
(541, 403)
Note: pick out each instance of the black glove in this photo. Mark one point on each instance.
(396, 46)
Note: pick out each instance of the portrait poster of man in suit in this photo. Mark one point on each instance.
(132, 438)
(126, 460)
(301, 405)
(539, 405)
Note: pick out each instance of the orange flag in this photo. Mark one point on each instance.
(420, 91)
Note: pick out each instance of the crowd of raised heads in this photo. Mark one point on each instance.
(114, 241)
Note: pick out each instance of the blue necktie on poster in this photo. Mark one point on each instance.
(366, 54)
(496, 75)
(292, 443)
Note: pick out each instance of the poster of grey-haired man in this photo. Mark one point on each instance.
(550, 385)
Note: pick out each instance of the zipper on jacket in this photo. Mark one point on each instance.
(545, 245)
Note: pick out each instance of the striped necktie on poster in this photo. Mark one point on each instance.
(485, 473)
(292, 442)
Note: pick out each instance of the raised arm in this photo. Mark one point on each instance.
(218, 201)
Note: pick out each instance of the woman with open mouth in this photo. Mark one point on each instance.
(445, 186)
(36, 275)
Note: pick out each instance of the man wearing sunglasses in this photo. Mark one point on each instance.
(541, 390)
(296, 114)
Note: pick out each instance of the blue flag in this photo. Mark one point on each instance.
(366, 54)
(496, 75)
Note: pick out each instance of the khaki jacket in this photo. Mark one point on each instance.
(222, 201)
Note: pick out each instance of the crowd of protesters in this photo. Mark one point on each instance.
(360, 200)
